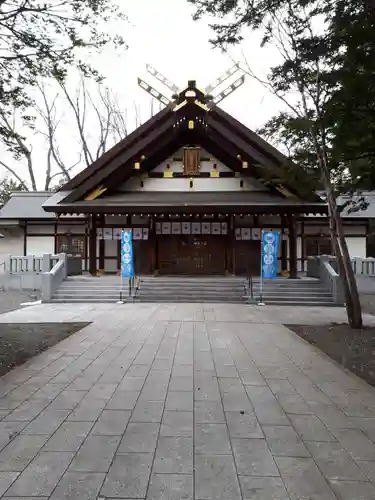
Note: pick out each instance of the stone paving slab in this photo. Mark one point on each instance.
(185, 401)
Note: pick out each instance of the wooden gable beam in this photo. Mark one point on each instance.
(242, 146)
(249, 135)
(118, 149)
(154, 157)
(269, 151)
(228, 156)
(120, 161)
(95, 193)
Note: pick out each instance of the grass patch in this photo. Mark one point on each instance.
(21, 341)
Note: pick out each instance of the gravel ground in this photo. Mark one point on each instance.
(368, 304)
(9, 301)
(19, 342)
(353, 349)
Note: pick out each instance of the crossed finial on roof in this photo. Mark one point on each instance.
(208, 91)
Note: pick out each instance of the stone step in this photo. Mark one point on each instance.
(291, 289)
(151, 289)
(105, 300)
(271, 296)
(307, 303)
(280, 296)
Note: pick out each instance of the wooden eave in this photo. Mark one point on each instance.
(192, 202)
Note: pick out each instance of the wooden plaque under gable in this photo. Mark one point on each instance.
(191, 161)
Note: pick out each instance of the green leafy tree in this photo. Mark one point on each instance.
(313, 48)
(7, 186)
(351, 108)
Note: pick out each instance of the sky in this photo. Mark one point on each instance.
(163, 34)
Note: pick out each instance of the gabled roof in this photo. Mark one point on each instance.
(187, 121)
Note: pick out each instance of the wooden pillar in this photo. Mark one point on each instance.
(101, 248)
(284, 246)
(92, 245)
(153, 246)
(232, 232)
(55, 237)
(25, 239)
(292, 246)
(87, 228)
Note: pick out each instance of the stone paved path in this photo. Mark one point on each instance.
(184, 402)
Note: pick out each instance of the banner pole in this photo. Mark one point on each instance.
(261, 303)
(121, 271)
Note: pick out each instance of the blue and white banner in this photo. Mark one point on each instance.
(270, 251)
(127, 266)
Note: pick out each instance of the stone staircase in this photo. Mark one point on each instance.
(101, 289)
(220, 289)
(293, 292)
(152, 289)
(213, 289)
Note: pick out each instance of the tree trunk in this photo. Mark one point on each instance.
(352, 302)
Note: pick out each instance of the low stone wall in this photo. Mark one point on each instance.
(25, 272)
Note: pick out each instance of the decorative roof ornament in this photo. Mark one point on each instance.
(206, 100)
(170, 85)
(222, 78)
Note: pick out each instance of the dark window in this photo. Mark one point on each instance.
(318, 246)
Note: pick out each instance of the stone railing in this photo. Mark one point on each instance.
(25, 272)
(363, 267)
(53, 279)
(320, 267)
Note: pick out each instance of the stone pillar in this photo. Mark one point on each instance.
(46, 263)
(92, 245)
(292, 246)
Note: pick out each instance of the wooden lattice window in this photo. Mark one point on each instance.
(191, 161)
(71, 245)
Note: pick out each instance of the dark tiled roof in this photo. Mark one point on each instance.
(26, 205)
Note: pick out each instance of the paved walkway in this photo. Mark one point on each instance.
(185, 402)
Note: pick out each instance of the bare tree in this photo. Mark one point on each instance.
(75, 127)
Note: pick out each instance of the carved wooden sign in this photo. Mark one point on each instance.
(191, 161)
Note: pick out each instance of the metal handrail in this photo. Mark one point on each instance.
(138, 285)
(251, 287)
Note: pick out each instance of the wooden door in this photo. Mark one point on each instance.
(247, 258)
(188, 254)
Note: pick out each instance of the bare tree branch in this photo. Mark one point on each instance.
(23, 149)
(14, 173)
